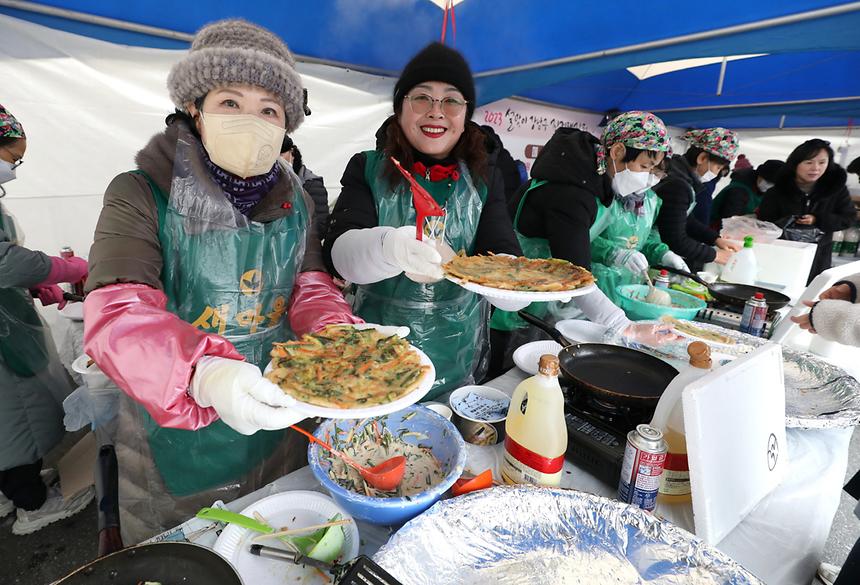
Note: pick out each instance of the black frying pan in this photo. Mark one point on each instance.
(735, 294)
(613, 374)
(164, 562)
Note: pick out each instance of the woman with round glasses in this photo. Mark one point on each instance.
(371, 240)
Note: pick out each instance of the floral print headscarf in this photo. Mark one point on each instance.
(717, 141)
(642, 130)
(9, 126)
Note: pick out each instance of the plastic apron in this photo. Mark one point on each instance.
(446, 321)
(629, 231)
(228, 275)
(540, 248)
(33, 381)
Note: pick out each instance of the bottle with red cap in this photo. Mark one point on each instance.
(754, 318)
(662, 279)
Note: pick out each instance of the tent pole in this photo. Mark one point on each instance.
(759, 104)
(704, 35)
(722, 76)
(98, 20)
(163, 32)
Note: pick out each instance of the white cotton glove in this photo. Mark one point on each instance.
(672, 260)
(632, 260)
(389, 330)
(245, 400)
(401, 249)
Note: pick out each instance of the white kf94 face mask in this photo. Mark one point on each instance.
(242, 144)
(627, 182)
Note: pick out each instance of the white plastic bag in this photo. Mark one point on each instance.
(84, 407)
(738, 227)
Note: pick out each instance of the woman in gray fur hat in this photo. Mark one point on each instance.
(204, 256)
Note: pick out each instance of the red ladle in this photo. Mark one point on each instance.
(386, 476)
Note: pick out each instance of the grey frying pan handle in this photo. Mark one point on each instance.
(544, 326)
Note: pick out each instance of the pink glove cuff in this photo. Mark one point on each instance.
(149, 352)
(317, 302)
(49, 295)
(72, 270)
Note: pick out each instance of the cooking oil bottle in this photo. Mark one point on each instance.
(669, 418)
(536, 434)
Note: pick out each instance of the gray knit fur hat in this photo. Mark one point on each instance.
(237, 51)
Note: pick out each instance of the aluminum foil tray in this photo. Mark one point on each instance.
(541, 536)
(818, 395)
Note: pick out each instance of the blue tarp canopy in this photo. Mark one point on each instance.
(803, 71)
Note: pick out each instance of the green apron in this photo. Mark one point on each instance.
(22, 333)
(231, 276)
(753, 200)
(540, 248)
(446, 321)
(626, 230)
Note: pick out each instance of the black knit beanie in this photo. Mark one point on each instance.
(436, 62)
(769, 170)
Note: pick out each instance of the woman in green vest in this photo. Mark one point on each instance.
(203, 257)
(744, 194)
(589, 202)
(372, 242)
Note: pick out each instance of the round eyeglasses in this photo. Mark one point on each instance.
(422, 103)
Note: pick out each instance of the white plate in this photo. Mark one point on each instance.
(519, 295)
(527, 356)
(73, 311)
(581, 331)
(379, 409)
(279, 510)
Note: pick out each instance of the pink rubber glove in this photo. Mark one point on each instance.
(149, 352)
(317, 302)
(73, 269)
(49, 295)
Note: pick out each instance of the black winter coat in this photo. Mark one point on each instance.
(563, 209)
(685, 235)
(502, 163)
(829, 202)
(356, 208)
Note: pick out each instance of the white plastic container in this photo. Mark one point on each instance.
(742, 267)
(535, 431)
(669, 418)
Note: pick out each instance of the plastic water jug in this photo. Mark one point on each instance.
(742, 267)
(669, 418)
(536, 434)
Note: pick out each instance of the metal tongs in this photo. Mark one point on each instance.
(359, 571)
(425, 205)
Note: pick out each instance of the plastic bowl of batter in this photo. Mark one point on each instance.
(415, 425)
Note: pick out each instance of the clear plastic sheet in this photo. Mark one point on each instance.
(552, 536)
(33, 382)
(226, 275)
(738, 227)
(447, 322)
(818, 395)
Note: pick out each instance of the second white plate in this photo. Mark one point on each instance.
(527, 356)
(291, 509)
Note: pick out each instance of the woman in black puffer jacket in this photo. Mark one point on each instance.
(811, 189)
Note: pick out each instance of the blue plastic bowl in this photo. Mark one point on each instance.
(443, 438)
(633, 303)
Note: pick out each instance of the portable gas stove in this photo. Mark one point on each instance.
(597, 433)
(729, 316)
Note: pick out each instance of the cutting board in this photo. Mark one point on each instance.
(735, 423)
